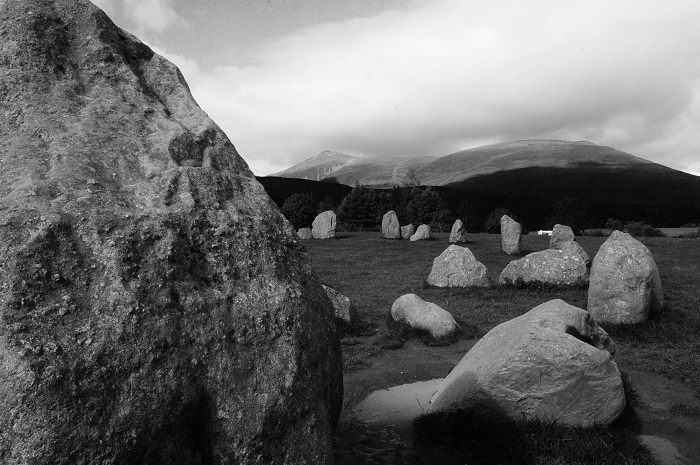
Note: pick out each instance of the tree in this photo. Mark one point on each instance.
(468, 213)
(427, 207)
(360, 209)
(572, 212)
(299, 209)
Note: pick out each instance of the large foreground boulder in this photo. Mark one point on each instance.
(554, 363)
(459, 232)
(625, 286)
(391, 228)
(423, 232)
(323, 226)
(565, 267)
(155, 306)
(457, 267)
(511, 235)
(426, 316)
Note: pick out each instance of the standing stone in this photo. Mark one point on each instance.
(344, 309)
(407, 231)
(554, 363)
(423, 232)
(511, 235)
(459, 232)
(625, 285)
(457, 267)
(155, 306)
(552, 266)
(305, 233)
(426, 316)
(391, 228)
(560, 234)
(323, 226)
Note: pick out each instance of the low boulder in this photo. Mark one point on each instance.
(554, 363)
(344, 309)
(511, 235)
(323, 226)
(407, 231)
(391, 228)
(457, 267)
(426, 316)
(625, 286)
(560, 234)
(574, 247)
(459, 232)
(552, 266)
(423, 232)
(305, 233)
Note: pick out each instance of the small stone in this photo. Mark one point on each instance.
(427, 316)
(459, 232)
(407, 231)
(422, 233)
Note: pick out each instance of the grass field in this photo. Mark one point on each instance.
(373, 272)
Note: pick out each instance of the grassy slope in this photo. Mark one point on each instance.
(373, 272)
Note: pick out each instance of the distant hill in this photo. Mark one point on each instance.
(549, 169)
(345, 169)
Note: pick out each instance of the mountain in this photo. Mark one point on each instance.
(549, 169)
(346, 169)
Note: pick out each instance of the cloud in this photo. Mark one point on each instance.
(148, 15)
(448, 74)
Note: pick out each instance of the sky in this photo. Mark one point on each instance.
(288, 79)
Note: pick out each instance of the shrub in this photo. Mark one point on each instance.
(641, 229)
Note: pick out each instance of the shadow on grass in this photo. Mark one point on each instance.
(459, 436)
(399, 332)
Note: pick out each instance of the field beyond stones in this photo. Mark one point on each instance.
(660, 359)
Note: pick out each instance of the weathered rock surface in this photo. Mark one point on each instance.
(427, 316)
(459, 232)
(391, 228)
(560, 234)
(552, 266)
(457, 267)
(305, 233)
(423, 232)
(625, 285)
(344, 309)
(554, 363)
(323, 226)
(155, 306)
(407, 231)
(511, 235)
(574, 247)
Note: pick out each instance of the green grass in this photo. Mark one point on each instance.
(373, 272)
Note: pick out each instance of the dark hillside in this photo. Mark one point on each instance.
(280, 188)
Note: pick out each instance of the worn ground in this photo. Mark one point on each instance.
(660, 357)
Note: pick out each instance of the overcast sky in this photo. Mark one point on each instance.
(287, 79)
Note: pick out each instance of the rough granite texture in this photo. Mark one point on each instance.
(560, 234)
(458, 232)
(155, 306)
(565, 267)
(415, 312)
(407, 231)
(511, 235)
(423, 232)
(625, 286)
(323, 226)
(554, 363)
(391, 228)
(458, 267)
